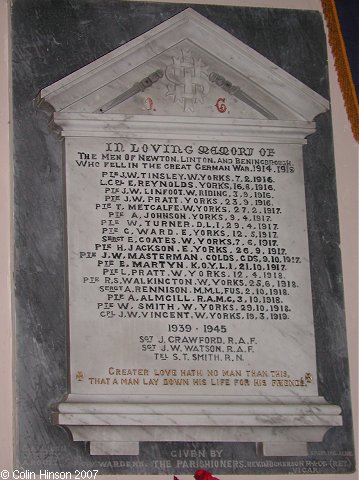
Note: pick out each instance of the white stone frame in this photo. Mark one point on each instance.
(114, 424)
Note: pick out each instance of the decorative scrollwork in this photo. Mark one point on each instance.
(188, 80)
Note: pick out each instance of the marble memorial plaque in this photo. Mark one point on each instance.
(190, 275)
(197, 261)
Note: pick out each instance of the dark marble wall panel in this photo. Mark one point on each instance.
(51, 39)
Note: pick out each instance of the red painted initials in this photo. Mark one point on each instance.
(149, 104)
(221, 105)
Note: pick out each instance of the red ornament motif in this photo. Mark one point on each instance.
(201, 475)
(204, 475)
(149, 104)
(220, 105)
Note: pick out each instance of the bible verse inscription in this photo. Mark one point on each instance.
(194, 254)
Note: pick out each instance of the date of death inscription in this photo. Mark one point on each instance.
(204, 237)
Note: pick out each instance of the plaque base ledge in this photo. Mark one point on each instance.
(278, 428)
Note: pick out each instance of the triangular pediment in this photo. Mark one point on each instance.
(186, 66)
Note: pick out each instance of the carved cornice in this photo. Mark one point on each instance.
(171, 127)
